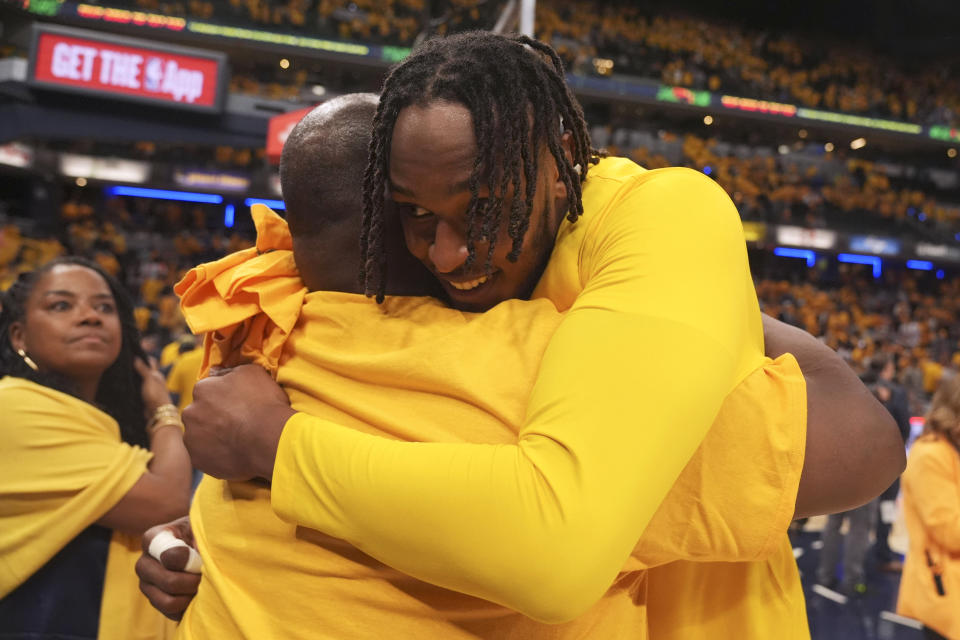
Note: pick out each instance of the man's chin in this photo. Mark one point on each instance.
(470, 303)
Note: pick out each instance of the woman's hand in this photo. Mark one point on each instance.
(154, 387)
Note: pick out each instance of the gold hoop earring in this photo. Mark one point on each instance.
(27, 359)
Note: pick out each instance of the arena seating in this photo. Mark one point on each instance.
(677, 49)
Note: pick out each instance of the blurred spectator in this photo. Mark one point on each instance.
(855, 543)
(883, 382)
(184, 373)
(930, 586)
(92, 456)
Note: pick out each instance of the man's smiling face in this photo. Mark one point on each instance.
(432, 156)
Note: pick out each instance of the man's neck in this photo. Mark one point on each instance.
(331, 279)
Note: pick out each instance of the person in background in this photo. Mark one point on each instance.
(172, 350)
(930, 586)
(894, 398)
(183, 374)
(881, 379)
(91, 455)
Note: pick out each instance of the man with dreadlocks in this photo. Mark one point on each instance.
(479, 124)
(480, 138)
(337, 355)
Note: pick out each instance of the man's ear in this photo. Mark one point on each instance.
(566, 142)
(559, 187)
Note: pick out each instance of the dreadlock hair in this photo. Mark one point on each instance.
(119, 391)
(515, 91)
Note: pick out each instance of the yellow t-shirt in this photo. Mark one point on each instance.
(709, 522)
(169, 354)
(932, 374)
(62, 467)
(183, 375)
(661, 305)
(676, 214)
(150, 290)
(375, 369)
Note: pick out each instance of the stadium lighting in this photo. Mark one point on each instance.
(708, 120)
(164, 194)
(920, 265)
(228, 212)
(856, 258)
(273, 204)
(806, 254)
(859, 143)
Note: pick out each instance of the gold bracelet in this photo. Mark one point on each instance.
(171, 421)
(166, 415)
(163, 410)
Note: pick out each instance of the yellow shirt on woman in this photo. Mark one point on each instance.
(931, 508)
(62, 467)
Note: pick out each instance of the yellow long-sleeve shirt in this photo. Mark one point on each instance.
(414, 370)
(628, 386)
(545, 525)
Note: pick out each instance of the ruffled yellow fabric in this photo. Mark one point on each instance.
(247, 302)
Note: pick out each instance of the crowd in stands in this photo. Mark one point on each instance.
(732, 59)
(150, 244)
(803, 186)
(901, 317)
(274, 88)
(193, 156)
(640, 41)
(147, 244)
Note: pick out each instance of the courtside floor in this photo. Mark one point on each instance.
(861, 618)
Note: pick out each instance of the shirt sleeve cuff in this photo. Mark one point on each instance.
(794, 454)
(287, 481)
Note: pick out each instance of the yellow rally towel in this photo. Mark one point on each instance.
(62, 467)
(250, 300)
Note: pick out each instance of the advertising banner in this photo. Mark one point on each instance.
(140, 70)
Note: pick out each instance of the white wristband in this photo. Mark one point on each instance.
(165, 540)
